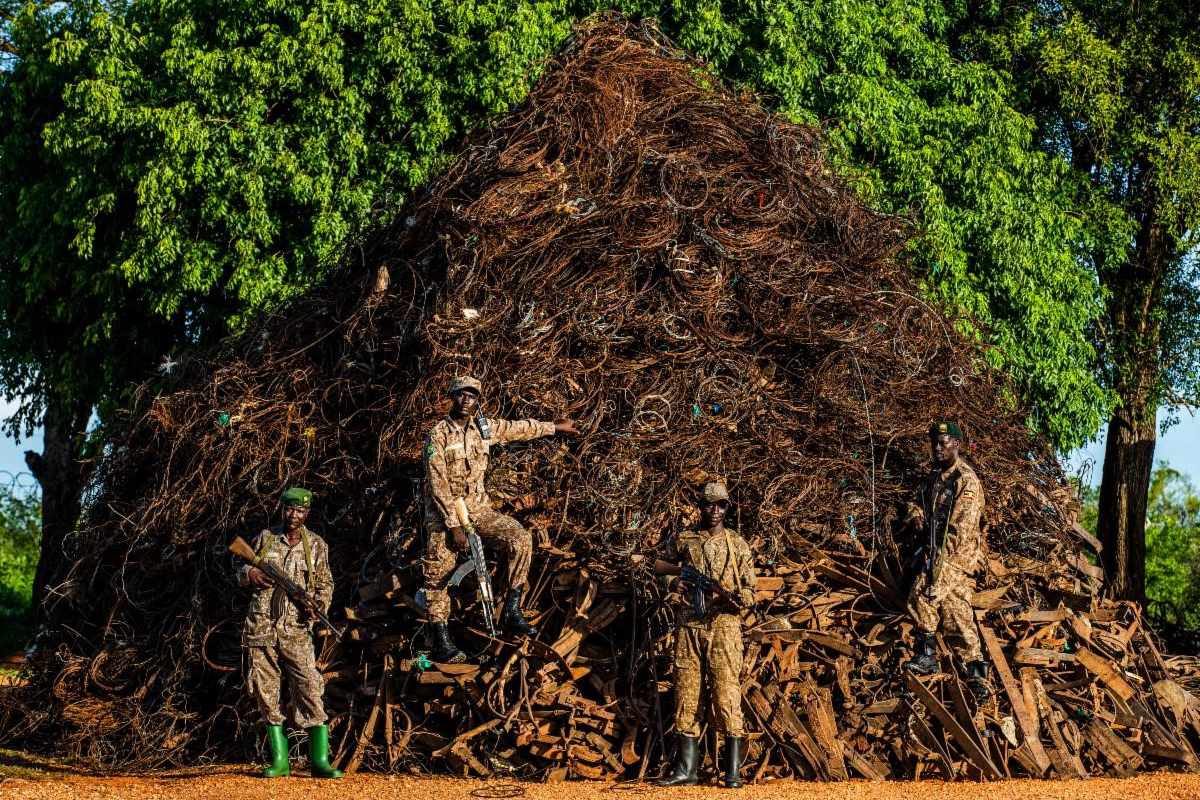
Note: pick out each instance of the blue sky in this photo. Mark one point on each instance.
(1180, 448)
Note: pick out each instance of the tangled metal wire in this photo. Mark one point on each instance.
(635, 247)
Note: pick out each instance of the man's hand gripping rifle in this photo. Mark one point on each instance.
(698, 586)
(293, 590)
(477, 563)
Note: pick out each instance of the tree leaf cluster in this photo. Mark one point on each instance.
(169, 170)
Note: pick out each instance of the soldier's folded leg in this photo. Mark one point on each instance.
(517, 543)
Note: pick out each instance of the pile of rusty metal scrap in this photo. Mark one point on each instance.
(1080, 687)
(640, 249)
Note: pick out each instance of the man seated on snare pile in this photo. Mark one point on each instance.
(946, 517)
(456, 461)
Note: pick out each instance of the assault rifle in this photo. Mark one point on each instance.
(698, 585)
(477, 563)
(293, 590)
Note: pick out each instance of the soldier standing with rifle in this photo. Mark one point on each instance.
(947, 515)
(456, 461)
(278, 632)
(716, 574)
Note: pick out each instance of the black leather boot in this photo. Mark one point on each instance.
(514, 619)
(977, 679)
(445, 651)
(687, 763)
(924, 661)
(733, 762)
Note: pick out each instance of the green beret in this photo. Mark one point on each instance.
(296, 496)
(945, 426)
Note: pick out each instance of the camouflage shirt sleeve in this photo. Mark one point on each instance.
(964, 523)
(519, 430)
(746, 570)
(437, 479)
(669, 552)
(323, 579)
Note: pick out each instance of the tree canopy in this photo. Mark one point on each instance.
(1114, 88)
(169, 169)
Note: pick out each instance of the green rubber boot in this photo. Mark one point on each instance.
(278, 768)
(318, 753)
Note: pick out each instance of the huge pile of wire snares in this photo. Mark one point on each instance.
(639, 249)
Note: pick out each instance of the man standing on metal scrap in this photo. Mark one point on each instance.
(278, 633)
(708, 640)
(947, 513)
(456, 461)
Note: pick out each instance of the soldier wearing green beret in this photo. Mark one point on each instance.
(456, 459)
(278, 633)
(947, 516)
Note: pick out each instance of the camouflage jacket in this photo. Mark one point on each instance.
(724, 557)
(951, 502)
(456, 461)
(272, 615)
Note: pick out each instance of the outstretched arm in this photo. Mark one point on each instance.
(520, 430)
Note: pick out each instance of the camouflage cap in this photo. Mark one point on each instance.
(715, 491)
(296, 496)
(465, 382)
(949, 427)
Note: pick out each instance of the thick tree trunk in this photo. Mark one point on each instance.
(1135, 295)
(1128, 464)
(62, 477)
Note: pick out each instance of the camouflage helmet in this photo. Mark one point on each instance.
(715, 491)
(465, 382)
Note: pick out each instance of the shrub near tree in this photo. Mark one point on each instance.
(20, 537)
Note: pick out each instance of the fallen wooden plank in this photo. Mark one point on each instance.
(1066, 763)
(977, 756)
(1105, 672)
(819, 710)
(1016, 698)
(1039, 657)
(1123, 758)
(861, 765)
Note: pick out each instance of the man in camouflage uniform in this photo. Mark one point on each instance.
(947, 513)
(710, 645)
(278, 633)
(456, 461)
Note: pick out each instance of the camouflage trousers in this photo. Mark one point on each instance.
(292, 658)
(440, 560)
(949, 602)
(714, 650)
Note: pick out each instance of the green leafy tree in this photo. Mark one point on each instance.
(169, 170)
(1172, 545)
(20, 537)
(1115, 90)
(1173, 548)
